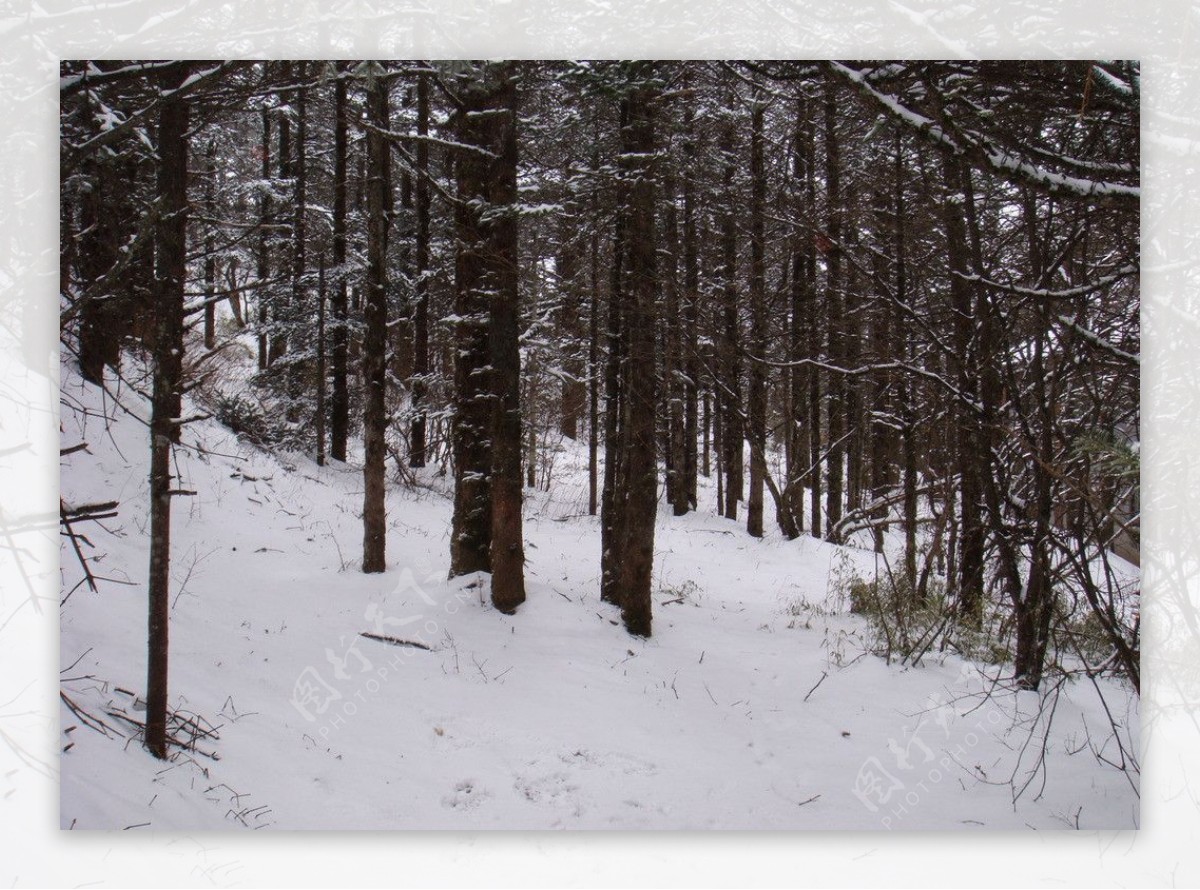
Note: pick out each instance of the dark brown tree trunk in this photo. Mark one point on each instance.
(641, 297)
(691, 302)
(171, 271)
(420, 386)
(99, 343)
(674, 370)
(812, 317)
(210, 250)
(757, 426)
(729, 382)
(279, 316)
(339, 401)
(499, 136)
(971, 531)
(594, 357)
(612, 494)
(296, 321)
(486, 532)
(320, 418)
(570, 318)
(263, 291)
(836, 397)
(374, 350)
(906, 391)
(798, 323)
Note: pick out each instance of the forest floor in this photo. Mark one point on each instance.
(755, 704)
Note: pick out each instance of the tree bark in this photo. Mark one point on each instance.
(375, 311)
(263, 292)
(729, 382)
(420, 385)
(835, 398)
(171, 271)
(641, 296)
(508, 549)
(339, 401)
(757, 432)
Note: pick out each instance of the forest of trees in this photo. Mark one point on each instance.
(874, 302)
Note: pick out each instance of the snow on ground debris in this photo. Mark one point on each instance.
(752, 706)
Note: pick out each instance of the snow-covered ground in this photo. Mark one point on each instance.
(752, 706)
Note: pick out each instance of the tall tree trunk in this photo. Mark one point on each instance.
(339, 402)
(757, 432)
(99, 343)
(691, 303)
(487, 429)
(374, 350)
(834, 309)
(570, 318)
(906, 391)
(320, 418)
(420, 384)
(641, 297)
(612, 494)
(170, 273)
(971, 531)
(280, 317)
(210, 250)
(263, 291)
(500, 137)
(296, 316)
(594, 355)
(798, 322)
(729, 382)
(674, 370)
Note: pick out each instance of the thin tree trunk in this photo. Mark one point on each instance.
(339, 421)
(611, 504)
(691, 300)
(264, 247)
(320, 418)
(296, 320)
(421, 310)
(729, 384)
(757, 432)
(210, 254)
(835, 399)
(167, 388)
(971, 535)
(674, 366)
(374, 349)
(279, 317)
(594, 357)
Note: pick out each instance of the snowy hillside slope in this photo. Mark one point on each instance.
(751, 707)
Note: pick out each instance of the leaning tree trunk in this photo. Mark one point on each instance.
(168, 386)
